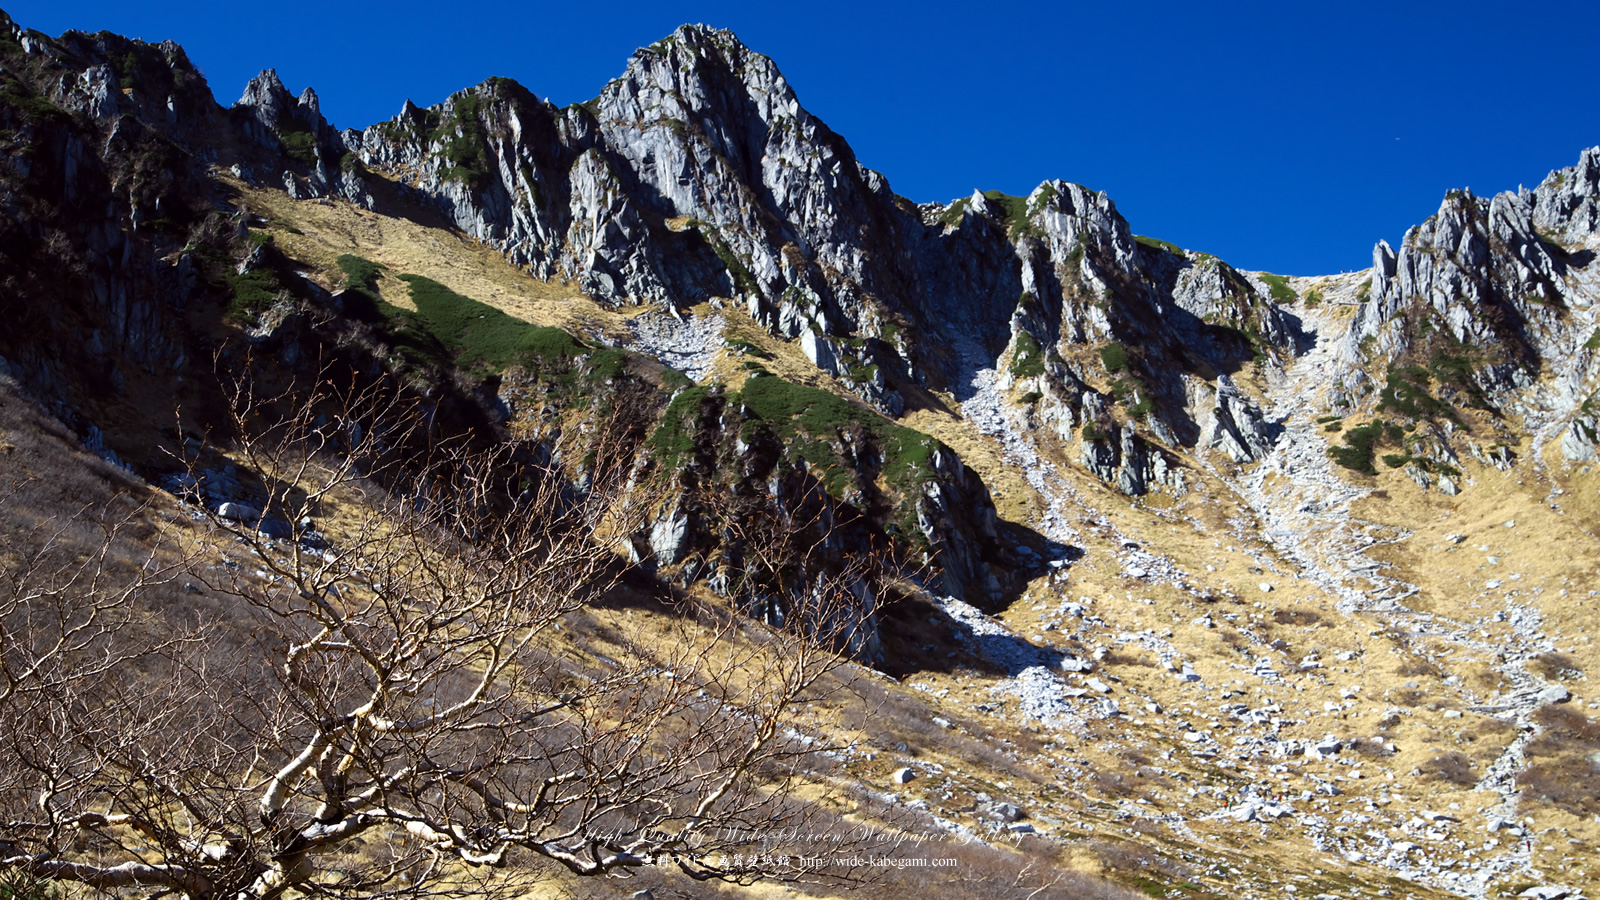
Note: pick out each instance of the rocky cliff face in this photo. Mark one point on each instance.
(1168, 328)
(697, 176)
(1494, 298)
(96, 192)
(126, 262)
(292, 130)
(134, 272)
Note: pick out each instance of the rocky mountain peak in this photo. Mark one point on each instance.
(266, 96)
(1482, 266)
(1568, 201)
(702, 84)
(1055, 352)
(277, 111)
(692, 47)
(698, 175)
(703, 75)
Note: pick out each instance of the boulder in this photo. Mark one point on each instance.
(1555, 693)
(1327, 748)
(239, 512)
(1005, 812)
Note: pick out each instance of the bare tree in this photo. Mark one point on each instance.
(404, 701)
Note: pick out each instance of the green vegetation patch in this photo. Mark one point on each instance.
(1127, 388)
(1027, 357)
(952, 214)
(1014, 209)
(675, 431)
(463, 142)
(1114, 356)
(1075, 256)
(794, 409)
(1397, 460)
(834, 437)
(144, 67)
(1278, 288)
(1360, 445)
(1158, 244)
(1044, 196)
(359, 272)
(254, 292)
(34, 108)
(748, 349)
(360, 297)
(743, 278)
(249, 293)
(1436, 378)
(1406, 391)
(1016, 213)
(300, 145)
(864, 374)
(480, 338)
(419, 124)
(1131, 392)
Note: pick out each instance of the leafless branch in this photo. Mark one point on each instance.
(399, 701)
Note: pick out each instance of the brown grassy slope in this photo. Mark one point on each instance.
(1076, 779)
(408, 246)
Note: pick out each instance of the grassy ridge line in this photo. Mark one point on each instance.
(817, 427)
(482, 339)
(448, 329)
(1278, 288)
(907, 454)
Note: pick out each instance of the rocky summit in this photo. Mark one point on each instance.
(1195, 580)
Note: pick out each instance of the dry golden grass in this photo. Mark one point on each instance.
(1014, 498)
(1546, 561)
(468, 267)
(998, 754)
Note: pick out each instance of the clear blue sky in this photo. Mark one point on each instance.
(1285, 136)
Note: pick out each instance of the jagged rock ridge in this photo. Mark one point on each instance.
(139, 286)
(697, 174)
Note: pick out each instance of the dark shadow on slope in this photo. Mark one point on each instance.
(1301, 341)
(919, 636)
